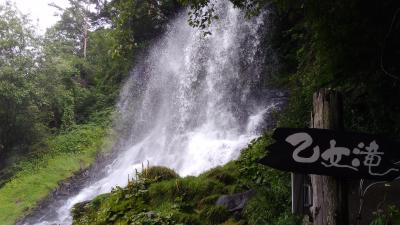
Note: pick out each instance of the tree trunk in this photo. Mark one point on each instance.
(86, 28)
(329, 201)
(85, 39)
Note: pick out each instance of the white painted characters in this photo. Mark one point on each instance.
(332, 157)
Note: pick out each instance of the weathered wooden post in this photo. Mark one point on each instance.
(325, 149)
(329, 195)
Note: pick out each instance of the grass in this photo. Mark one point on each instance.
(67, 153)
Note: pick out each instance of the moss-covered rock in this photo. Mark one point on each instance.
(160, 196)
(158, 173)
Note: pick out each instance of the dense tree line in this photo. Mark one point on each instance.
(20, 90)
(50, 82)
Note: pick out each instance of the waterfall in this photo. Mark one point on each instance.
(191, 103)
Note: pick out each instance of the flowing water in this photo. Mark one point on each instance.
(191, 102)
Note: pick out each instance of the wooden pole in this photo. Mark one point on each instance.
(298, 194)
(329, 193)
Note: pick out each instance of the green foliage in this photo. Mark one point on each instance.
(387, 216)
(20, 93)
(202, 12)
(215, 214)
(78, 138)
(152, 219)
(257, 175)
(267, 209)
(68, 116)
(47, 85)
(191, 200)
(138, 22)
(57, 100)
(183, 191)
(106, 72)
(345, 45)
(67, 154)
(270, 205)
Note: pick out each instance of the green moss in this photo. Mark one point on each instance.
(226, 174)
(209, 200)
(187, 218)
(233, 222)
(177, 197)
(158, 173)
(160, 195)
(214, 214)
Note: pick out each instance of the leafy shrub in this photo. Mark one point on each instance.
(272, 201)
(388, 216)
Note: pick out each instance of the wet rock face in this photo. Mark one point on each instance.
(235, 202)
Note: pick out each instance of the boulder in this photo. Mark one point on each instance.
(235, 202)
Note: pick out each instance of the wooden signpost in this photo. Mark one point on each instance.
(328, 207)
(331, 155)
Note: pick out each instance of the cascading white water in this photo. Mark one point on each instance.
(190, 104)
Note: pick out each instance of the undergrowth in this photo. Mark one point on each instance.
(65, 154)
(160, 196)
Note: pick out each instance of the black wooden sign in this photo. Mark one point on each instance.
(334, 153)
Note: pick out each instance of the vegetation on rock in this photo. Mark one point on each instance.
(191, 200)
